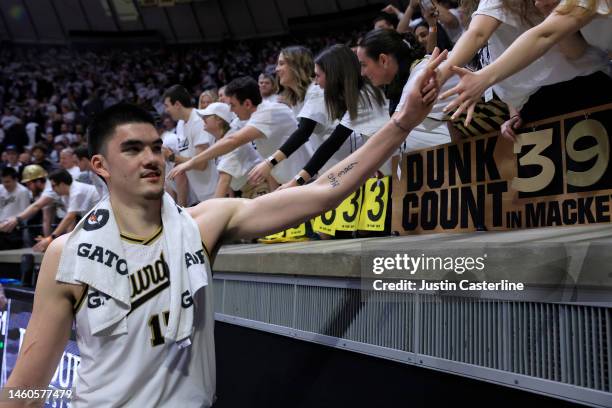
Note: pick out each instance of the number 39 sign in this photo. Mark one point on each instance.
(558, 172)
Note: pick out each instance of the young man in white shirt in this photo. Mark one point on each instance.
(203, 177)
(14, 198)
(77, 197)
(268, 125)
(234, 166)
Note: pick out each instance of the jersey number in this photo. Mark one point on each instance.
(157, 337)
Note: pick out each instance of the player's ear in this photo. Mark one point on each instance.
(100, 166)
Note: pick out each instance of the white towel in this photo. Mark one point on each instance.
(94, 255)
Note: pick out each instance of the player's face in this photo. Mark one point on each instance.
(378, 71)
(134, 163)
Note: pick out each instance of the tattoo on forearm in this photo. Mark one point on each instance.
(346, 169)
(334, 179)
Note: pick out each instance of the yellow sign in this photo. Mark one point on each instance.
(347, 213)
(298, 231)
(375, 202)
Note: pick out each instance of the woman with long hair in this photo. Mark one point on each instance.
(389, 59)
(348, 100)
(585, 21)
(499, 23)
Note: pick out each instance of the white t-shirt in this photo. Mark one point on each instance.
(314, 108)
(11, 204)
(74, 172)
(549, 69)
(202, 183)
(271, 98)
(371, 117)
(277, 122)
(599, 31)
(82, 198)
(433, 130)
(238, 163)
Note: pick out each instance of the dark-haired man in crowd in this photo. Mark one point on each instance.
(12, 159)
(39, 156)
(203, 177)
(14, 198)
(77, 197)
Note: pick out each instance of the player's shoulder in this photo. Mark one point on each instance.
(212, 218)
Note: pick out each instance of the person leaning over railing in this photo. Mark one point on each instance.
(581, 23)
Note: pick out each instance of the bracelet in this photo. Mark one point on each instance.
(272, 160)
(299, 180)
(396, 123)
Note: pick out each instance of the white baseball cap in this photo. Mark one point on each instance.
(220, 109)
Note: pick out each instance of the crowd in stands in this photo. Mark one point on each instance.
(250, 117)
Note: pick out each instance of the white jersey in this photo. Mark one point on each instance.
(138, 369)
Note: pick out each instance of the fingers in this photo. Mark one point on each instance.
(430, 97)
(470, 114)
(460, 110)
(460, 71)
(455, 90)
(437, 58)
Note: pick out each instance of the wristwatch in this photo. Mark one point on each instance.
(299, 180)
(272, 160)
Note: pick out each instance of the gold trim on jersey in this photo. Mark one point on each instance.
(142, 241)
(79, 302)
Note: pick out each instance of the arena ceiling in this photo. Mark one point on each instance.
(177, 21)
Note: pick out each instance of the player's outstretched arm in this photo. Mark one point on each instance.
(233, 219)
(49, 327)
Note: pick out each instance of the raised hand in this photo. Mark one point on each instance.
(423, 93)
(179, 169)
(508, 127)
(469, 90)
(260, 173)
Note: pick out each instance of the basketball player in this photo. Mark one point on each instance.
(137, 368)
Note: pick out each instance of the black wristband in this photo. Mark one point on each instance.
(272, 160)
(299, 180)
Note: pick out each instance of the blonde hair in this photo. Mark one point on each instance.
(211, 93)
(300, 62)
(591, 6)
